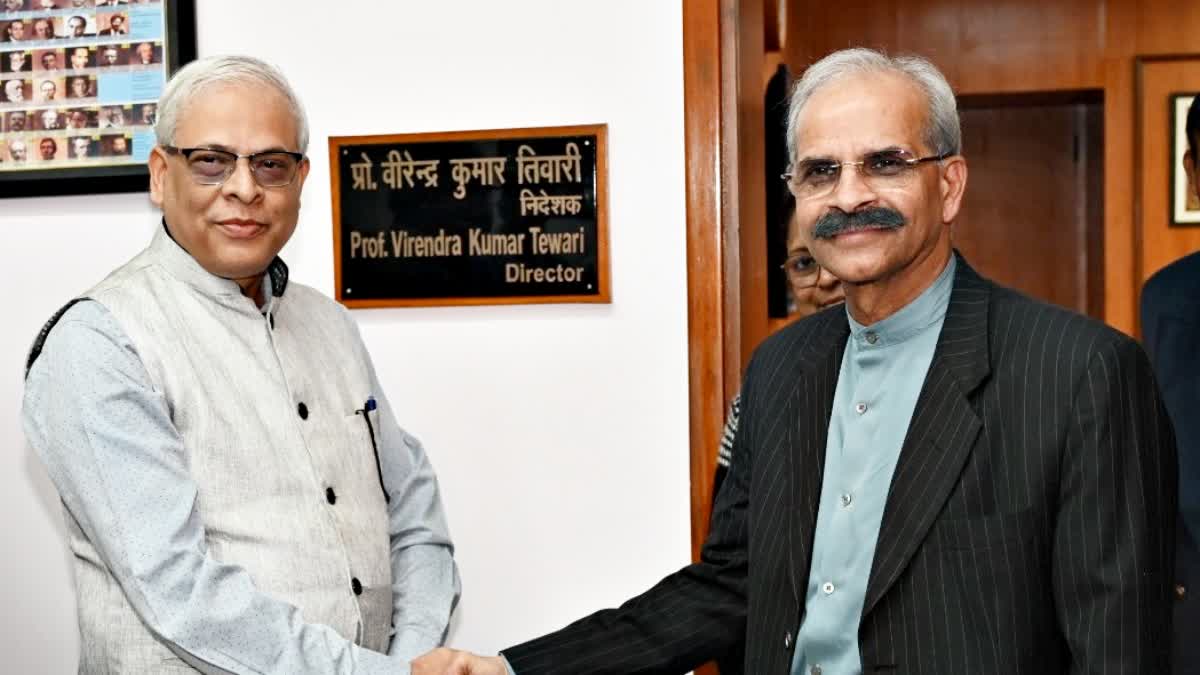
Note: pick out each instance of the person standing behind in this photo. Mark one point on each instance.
(1170, 310)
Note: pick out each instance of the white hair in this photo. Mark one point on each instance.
(942, 132)
(211, 71)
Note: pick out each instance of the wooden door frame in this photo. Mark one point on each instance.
(723, 44)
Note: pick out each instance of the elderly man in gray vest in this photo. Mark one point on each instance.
(238, 495)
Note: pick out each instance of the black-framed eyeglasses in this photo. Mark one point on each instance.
(802, 271)
(815, 178)
(208, 166)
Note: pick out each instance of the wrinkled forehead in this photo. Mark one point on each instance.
(861, 113)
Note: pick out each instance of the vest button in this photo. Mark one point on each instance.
(330, 496)
(303, 410)
(356, 586)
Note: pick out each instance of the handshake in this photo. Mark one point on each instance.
(443, 661)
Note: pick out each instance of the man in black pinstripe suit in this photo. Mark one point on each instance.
(944, 476)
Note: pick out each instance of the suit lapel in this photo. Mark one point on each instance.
(940, 435)
(809, 406)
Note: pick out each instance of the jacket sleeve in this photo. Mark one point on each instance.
(1114, 535)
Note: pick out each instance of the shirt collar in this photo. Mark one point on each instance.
(184, 267)
(926, 310)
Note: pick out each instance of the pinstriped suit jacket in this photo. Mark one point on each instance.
(1028, 529)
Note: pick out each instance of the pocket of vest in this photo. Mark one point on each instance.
(365, 412)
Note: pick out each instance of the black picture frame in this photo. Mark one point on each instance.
(178, 48)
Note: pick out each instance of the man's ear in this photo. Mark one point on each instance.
(158, 175)
(953, 183)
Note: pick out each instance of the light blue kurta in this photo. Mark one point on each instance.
(883, 368)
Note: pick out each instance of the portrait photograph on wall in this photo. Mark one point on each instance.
(83, 77)
(1185, 204)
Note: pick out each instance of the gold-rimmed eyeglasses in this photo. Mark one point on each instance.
(817, 177)
(802, 271)
(209, 166)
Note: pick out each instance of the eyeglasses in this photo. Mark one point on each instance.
(274, 168)
(816, 178)
(802, 271)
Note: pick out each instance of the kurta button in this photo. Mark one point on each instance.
(787, 640)
(303, 410)
(872, 338)
(827, 587)
(330, 496)
(356, 586)
(860, 408)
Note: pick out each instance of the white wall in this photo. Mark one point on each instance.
(559, 432)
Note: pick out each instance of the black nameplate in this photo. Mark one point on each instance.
(478, 217)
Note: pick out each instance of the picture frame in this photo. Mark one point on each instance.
(1185, 204)
(90, 72)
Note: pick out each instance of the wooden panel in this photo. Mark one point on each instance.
(751, 211)
(1165, 26)
(1120, 263)
(705, 246)
(1160, 243)
(999, 46)
(1027, 219)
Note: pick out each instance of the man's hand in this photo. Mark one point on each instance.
(444, 661)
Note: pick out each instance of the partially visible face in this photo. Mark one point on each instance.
(17, 150)
(79, 58)
(77, 25)
(78, 119)
(79, 87)
(116, 117)
(50, 61)
(16, 30)
(16, 121)
(1189, 167)
(49, 119)
(119, 146)
(847, 119)
(235, 229)
(49, 90)
(43, 29)
(81, 146)
(47, 147)
(110, 56)
(14, 5)
(117, 23)
(14, 91)
(811, 298)
(145, 52)
(16, 61)
(148, 112)
(46, 4)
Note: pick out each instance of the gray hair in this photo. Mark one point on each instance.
(942, 133)
(211, 71)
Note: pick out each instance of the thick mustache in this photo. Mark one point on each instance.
(875, 217)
